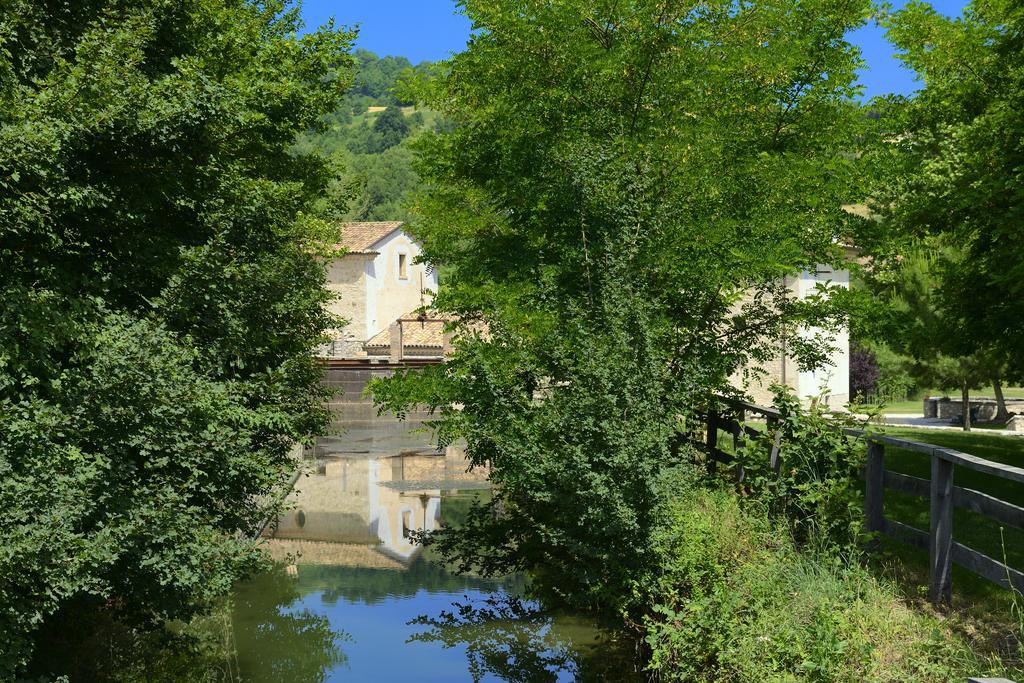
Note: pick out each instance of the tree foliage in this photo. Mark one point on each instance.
(625, 189)
(864, 373)
(389, 129)
(371, 152)
(940, 349)
(953, 157)
(160, 300)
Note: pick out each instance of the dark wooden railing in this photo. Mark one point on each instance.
(943, 550)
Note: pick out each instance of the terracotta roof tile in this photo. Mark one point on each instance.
(429, 333)
(359, 237)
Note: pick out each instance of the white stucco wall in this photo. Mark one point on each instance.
(370, 293)
(388, 296)
(832, 381)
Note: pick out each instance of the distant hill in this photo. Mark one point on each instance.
(369, 136)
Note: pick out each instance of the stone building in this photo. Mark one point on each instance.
(378, 281)
(381, 287)
(832, 383)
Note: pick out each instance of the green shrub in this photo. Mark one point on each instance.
(737, 602)
(816, 490)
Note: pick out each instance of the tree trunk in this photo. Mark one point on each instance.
(1002, 414)
(965, 397)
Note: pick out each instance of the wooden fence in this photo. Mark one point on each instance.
(943, 495)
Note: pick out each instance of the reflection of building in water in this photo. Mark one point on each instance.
(364, 499)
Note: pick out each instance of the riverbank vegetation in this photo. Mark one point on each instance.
(615, 193)
(622, 192)
(161, 304)
(736, 599)
(603, 205)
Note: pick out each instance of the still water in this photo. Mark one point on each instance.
(355, 599)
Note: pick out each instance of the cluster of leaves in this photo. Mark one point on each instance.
(816, 491)
(894, 377)
(864, 373)
(950, 192)
(375, 79)
(160, 301)
(938, 347)
(626, 189)
(735, 600)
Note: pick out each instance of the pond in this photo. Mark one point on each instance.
(355, 599)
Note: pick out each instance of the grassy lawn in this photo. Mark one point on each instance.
(971, 592)
(915, 406)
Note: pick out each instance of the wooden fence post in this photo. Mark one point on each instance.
(940, 540)
(874, 487)
(776, 434)
(737, 443)
(712, 441)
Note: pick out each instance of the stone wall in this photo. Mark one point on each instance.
(351, 403)
(346, 279)
(949, 408)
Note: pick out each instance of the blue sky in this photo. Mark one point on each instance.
(430, 30)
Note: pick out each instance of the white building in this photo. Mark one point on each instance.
(377, 280)
(832, 382)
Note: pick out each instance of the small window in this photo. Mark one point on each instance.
(403, 269)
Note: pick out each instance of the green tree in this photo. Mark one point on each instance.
(625, 189)
(376, 77)
(955, 156)
(161, 301)
(940, 352)
(389, 129)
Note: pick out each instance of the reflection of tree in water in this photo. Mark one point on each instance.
(508, 639)
(371, 586)
(281, 643)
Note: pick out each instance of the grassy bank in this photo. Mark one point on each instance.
(986, 605)
(738, 601)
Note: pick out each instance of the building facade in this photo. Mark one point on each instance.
(380, 286)
(830, 383)
(376, 282)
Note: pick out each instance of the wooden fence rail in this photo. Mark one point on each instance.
(943, 495)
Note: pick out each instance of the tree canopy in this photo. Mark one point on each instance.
(161, 300)
(623, 194)
(952, 158)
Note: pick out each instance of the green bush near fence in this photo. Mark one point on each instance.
(736, 601)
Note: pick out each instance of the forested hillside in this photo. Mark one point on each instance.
(370, 146)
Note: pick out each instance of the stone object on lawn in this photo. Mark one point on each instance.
(1016, 424)
(986, 408)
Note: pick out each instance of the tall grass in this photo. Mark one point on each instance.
(737, 601)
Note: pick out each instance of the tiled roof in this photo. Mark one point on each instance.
(359, 237)
(429, 333)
